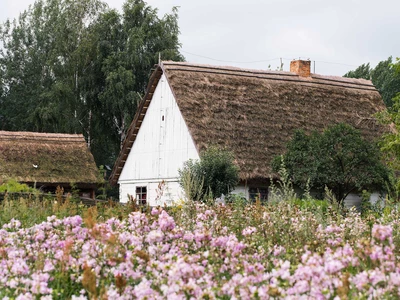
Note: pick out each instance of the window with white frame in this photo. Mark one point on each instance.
(141, 195)
(260, 193)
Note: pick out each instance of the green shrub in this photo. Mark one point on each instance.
(214, 175)
(13, 186)
(339, 158)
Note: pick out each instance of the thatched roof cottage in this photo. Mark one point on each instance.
(188, 107)
(48, 160)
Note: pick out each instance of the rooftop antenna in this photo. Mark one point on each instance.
(159, 58)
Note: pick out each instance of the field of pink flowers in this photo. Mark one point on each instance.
(218, 252)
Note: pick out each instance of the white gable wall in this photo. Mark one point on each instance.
(161, 147)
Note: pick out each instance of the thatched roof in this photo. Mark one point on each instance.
(46, 158)
(254, 113)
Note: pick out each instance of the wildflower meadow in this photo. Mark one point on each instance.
(283, 250)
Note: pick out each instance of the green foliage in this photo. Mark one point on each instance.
(13, 186)
(127, 46)
(105, 190)
(363, 71)
(390, 144)
(44, 206)
(369, 208)
(74, 190)
(43, 62)
(338, 158)
(384, 76)
(236, 199)
(21, 208)
(284, 190)
(190, 180)
(312, 204)
(214, 175)
(79, 67)
(386, 80)
(219, 171)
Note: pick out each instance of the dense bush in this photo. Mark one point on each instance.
(214, 175)
(339, 158)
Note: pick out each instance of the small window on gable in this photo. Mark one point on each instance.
(141, 195)
(258, 193)
(162, 118)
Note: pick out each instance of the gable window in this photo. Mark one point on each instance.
(258, 193)
(141, 195)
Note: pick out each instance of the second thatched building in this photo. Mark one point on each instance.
(48, 160)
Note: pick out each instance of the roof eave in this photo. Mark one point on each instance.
(79, 185)
(135, 125)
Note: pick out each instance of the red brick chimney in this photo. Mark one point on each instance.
(300, 67)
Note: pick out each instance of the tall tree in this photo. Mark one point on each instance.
(363, 71)
(75, 66)
(391, 140)
(137, 39)
(42, 61)
(383, 76)
(128, 46)
(386, 80)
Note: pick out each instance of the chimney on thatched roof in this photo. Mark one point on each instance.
(300, 67)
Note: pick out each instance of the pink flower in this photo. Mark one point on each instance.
(155, 236)
(48, 266)
(278, 250)
(249, 230)
(165, 221)
(333, 266)
(300, 287)
(382, 232)
(20, 267)
(143, 290)
(25, 296)
(155, 211)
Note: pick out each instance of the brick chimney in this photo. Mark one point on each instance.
(300, 67)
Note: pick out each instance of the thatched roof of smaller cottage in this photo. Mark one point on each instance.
(46, 158)
(254, 112)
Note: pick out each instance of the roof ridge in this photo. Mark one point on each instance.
(39, 136)
(227, 68)
(207, 69)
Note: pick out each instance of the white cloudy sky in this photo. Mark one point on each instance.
(338, 34)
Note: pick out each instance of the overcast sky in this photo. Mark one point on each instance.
(338, 35)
